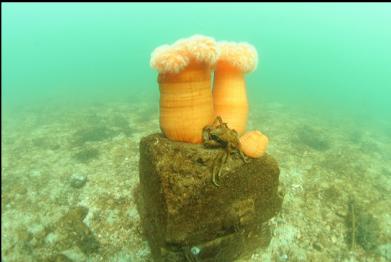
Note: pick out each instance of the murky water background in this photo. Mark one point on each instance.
(78, 94)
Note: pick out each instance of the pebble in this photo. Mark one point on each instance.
(317, 246)
(283, 258)
(333, 239)
(195, 250)
(51, 238)
(78, 180)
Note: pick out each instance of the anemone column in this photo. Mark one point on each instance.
(186, 104)
(229, 87)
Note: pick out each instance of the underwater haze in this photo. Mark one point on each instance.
(78, 94)
(332, 55)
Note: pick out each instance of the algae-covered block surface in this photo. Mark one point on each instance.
(184, 209)
(70, 184)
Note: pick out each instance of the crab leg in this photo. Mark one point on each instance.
(223, 159)
(220, 122)
(245, 159)
(217, 120)
(214, 174)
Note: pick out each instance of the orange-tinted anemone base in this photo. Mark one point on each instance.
(229, 96)
(254, 144)
(186, 104)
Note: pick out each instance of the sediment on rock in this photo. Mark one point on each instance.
(184, 211)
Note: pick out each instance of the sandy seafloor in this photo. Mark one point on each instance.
(69, 180)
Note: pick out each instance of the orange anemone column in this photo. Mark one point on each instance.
(186, 103)
(229, 87)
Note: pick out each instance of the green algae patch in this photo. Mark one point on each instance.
(91, 134)
(85, 155)
(362, 228)
(70, 230)
(313, 138)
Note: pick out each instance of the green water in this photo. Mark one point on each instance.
(324, 55)
(78, 94)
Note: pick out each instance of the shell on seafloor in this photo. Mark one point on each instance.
(186, 104)
(254, 144)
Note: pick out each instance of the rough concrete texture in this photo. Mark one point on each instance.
(187, 218)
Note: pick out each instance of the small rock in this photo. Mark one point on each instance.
(51, 238)
(283, 257)
(317, 246)
(333, 239)
(78, 181)
(36, 228)
(74, 254)
(195, 250)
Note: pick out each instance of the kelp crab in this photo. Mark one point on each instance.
(218, 134)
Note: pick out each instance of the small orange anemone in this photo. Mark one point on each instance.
(229, 87)
(186, 103)
(254, 144)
